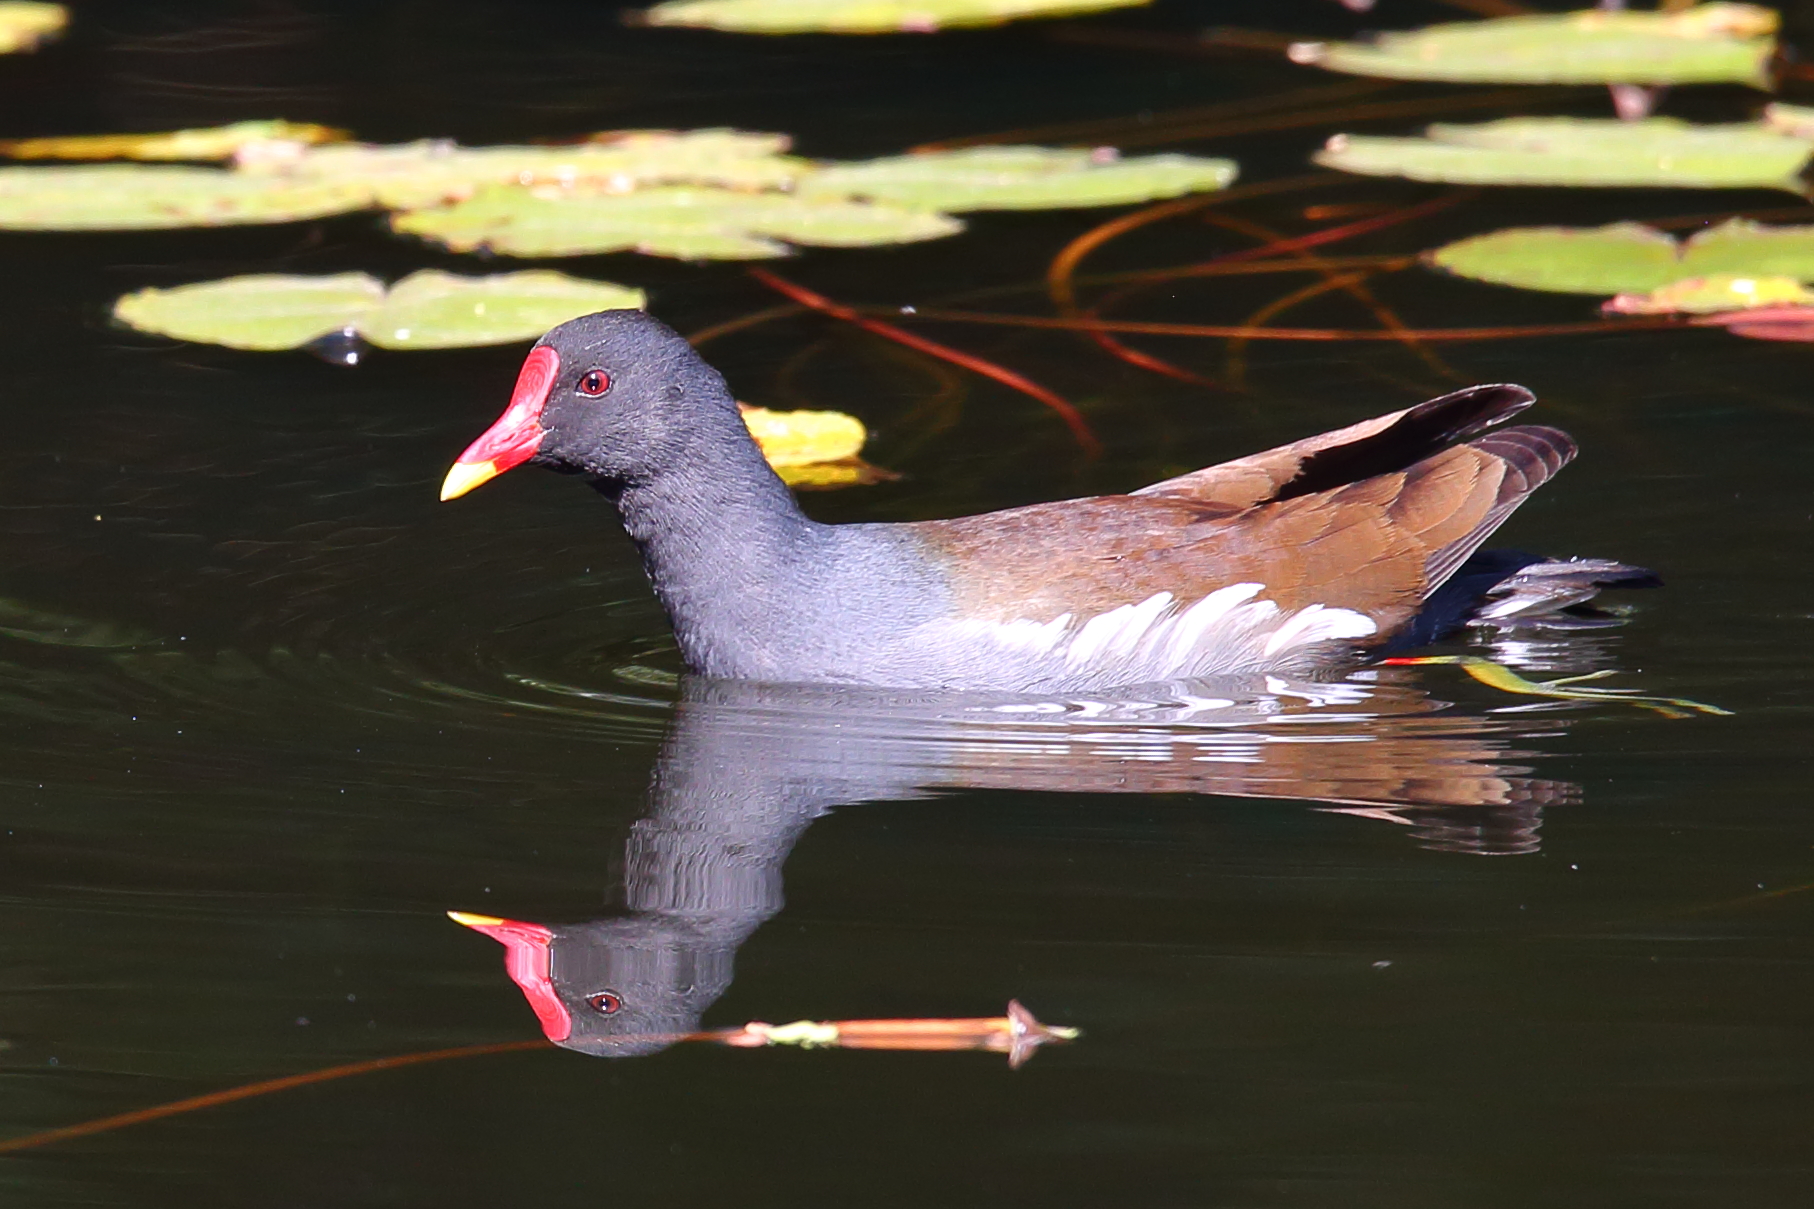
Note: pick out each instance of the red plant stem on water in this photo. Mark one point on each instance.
(1317, 239)
(1073, 419)
(248, 1090)
(1296, 333)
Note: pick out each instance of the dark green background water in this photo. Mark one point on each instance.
(269, 709)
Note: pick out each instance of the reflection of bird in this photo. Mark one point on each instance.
(1279, 561)
(747, 767)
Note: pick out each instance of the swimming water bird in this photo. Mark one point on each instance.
(1360, 539)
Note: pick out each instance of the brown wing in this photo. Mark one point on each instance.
(1379, 544)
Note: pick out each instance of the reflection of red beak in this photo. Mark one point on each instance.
(526, 961)
(514, 439)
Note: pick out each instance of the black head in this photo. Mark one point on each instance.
(617, 395)
(613, 988)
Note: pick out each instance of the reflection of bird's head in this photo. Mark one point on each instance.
(613, 988)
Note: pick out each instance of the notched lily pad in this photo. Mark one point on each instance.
(1629, 258)
(1709, 43)
(121, 197)
(429, 309)
(1018, 178)
(813, 450)
(24, 25)
(1657, 152)
(863, 16)
(688, 223)
(210, 143)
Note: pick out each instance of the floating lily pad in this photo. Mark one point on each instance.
(212, 143)
(1018, 178)
(689, 223)
(132, 197)
(1791, 323)
(412, 176)
(1710, 43)
(813, 450)
(1628, 258)
(429, 309)
(799, 438)
(1707, 295)
(24, 25)
(863, 16)
(1657, 152)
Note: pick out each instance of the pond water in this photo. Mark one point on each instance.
(270, 710)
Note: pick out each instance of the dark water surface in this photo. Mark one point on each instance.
(270, 710)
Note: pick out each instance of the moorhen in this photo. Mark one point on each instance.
(1283, 561)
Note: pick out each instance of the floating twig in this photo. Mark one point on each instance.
(1018, 1034)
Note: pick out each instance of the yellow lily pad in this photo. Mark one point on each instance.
(1706, 44)
(211, 143)
(1657, 152)
(863, 16)
(24, 25)
(800, 438)
(689, 223)
(412, 176)
(813, 450)
(1629, 258)
(1710, 295)
(1018, 178)
(133, 197)
(429, 309)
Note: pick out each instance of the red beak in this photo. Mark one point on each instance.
(526, 961)
(514, 439)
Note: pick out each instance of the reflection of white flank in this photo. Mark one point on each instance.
(1231, 630)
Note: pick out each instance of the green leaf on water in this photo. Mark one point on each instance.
(210, 143)
(863, 16)
(1706, 44)
(1018, 178)
(688, 223)
(411, 176)
(1718, 294)
(429, 309)
(1629, 258)
(23, 25)
(1567, 688)
(1656, 152)
(134, 197)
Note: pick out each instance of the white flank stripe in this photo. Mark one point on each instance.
(1233, 630)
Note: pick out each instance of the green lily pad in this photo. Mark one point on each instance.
(429, 309)
(1713, 295)
(1018, 178)
(210, 143)
(1628, 258)
(133, 197)
(1657, 152)
(413, 176)
(689, 223)
(23, 25)
(863, 16)
(1707, 44)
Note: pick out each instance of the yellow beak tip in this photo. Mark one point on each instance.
(468, 919)
(464, 476)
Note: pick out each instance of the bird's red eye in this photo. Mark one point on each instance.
(594, 382)
(605, 1003)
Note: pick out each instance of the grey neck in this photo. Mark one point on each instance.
(724, 545)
